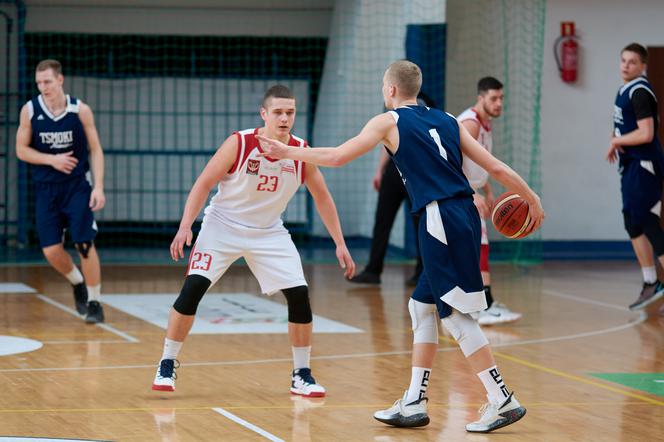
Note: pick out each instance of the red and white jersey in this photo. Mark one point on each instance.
(256, 190)
(477, 177)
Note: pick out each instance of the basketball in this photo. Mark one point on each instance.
(510, 215)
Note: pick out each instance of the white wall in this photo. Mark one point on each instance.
(581, 191)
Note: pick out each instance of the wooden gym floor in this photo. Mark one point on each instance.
(586, 367)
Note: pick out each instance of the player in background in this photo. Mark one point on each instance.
(477, 121)
(427, 146)
(635, 145)
(243, 220)
(58, 137)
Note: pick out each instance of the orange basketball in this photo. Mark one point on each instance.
(510, 215)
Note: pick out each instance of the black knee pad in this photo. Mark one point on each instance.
(83, 248)
(191, 294)
(299, 309)
(654, 233)
(633, 230)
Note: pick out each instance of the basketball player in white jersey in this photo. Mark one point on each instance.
(244, 220)
(477, 121)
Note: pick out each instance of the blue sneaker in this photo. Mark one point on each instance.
(165, 377)
(303, 384)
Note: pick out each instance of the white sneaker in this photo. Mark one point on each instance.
(165, 378)
(494, 416)
(303, 384)
(413, 414)
(497, 314)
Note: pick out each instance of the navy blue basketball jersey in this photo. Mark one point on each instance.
(55, 135)
(429, 155)
(625, 121)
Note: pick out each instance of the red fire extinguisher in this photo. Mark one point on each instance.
(566, 52)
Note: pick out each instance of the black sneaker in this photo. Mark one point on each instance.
(81, 298)
(649, 294)
(95, 313)
(366, 278)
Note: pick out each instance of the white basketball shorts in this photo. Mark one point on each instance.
(269, 253)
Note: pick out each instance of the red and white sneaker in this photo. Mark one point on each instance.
(303, 384)
(165, 378)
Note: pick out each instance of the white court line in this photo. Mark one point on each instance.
(248, 425)
(642, 317)
(585, 301)
(106, 327)
(74, 342)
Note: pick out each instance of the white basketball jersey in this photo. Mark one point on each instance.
(477, 177)
(256, 190)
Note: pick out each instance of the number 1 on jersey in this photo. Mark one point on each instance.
(436, 138)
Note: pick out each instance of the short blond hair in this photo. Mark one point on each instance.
(406, 76)
(47, 64)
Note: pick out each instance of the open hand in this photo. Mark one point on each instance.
(183, 237)
(64, 162)
(97, 199)
(346, 261)
(273, 148)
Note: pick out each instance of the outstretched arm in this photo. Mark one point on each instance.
(502, 173)
(328, 213)
(374, 132)
(214, 171)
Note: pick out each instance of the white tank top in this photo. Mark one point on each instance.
(256, 190)
(477, 177)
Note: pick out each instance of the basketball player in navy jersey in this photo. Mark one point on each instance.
(427, 146)
(58, 137)
(635, 145)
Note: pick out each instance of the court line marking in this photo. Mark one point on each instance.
(460, 405)
(248, 425)
(333, 357)
(578, 378)
(585, 301)
(95, 341)
(106, 327)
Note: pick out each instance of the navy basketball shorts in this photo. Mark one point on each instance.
(641, 187)
(61, 206)
(449, 235)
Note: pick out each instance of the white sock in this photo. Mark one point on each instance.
(494, 385)
(649, 274)
(74, 276)
(94, 292)
(419, 382)
(301, 357)
(171, 349)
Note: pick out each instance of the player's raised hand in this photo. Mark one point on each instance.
(97, 199)
(273, 148)
(346, 261)
(64, 162)
(536, 212)
(183, 237)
